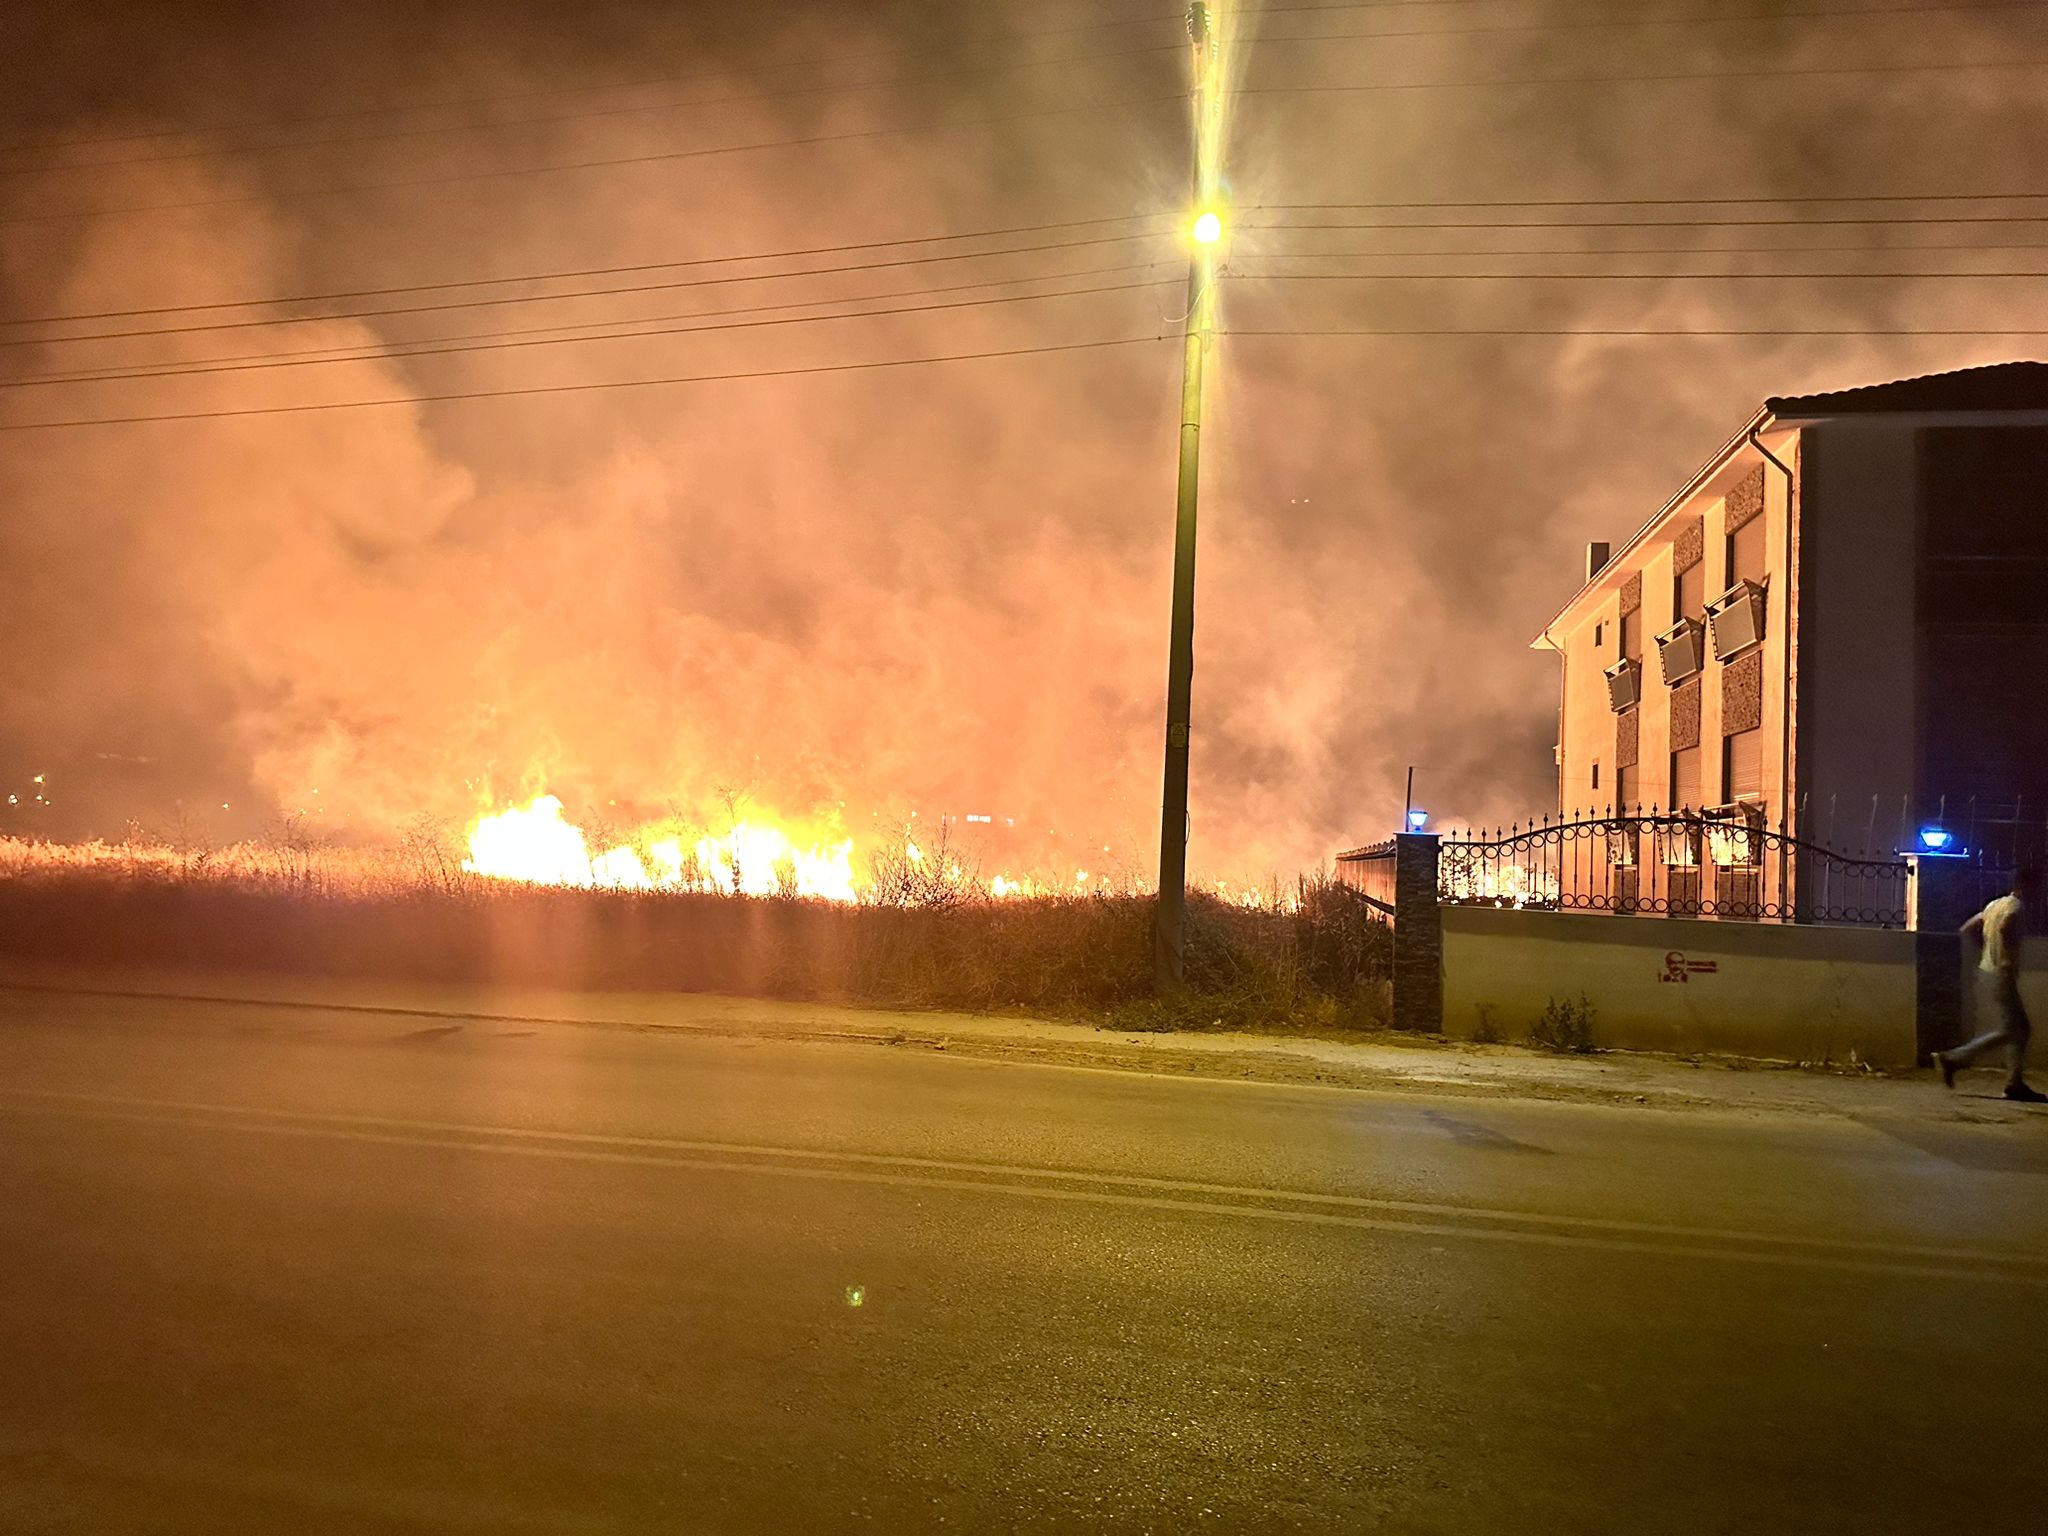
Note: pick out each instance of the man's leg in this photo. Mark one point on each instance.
(1959, 1056)
(2019, 1029)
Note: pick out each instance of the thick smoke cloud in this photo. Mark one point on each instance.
(939, 588)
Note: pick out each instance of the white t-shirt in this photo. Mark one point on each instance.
(2000, 916)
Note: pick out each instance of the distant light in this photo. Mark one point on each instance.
(1207, 228)
(1936, 839)
(1417, 820)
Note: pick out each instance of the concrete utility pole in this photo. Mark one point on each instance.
(1205, 233)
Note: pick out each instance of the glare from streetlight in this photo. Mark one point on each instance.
(1207, 228)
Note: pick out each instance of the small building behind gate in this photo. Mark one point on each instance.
(1802, 725)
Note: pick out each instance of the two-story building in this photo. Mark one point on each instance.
(1839, 625)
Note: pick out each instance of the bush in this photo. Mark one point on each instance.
(1319, 961)
(1565, 1026)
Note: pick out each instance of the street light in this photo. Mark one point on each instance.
(1205, 235)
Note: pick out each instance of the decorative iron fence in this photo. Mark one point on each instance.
(1726, 865)
(1370, 872)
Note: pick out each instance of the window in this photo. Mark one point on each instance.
(1596, 774)
(1627, 787)
(1685, 779)
(1632, 635)
(1689, 593)
(1599, 632)
(1682, 649)
(1745, 552)
(1737, 619)
(1624, 685)
(1682, 846)
(1742, 766)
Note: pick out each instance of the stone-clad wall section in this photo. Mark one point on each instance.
(1685, 715)
(1742, 694)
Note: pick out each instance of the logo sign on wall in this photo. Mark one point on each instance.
(1678, 968)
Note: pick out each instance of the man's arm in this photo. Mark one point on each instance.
(1974, 928)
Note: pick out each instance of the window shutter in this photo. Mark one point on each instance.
(1685, 779)
(1689, 594)
(1745, 765)
(1748, 552)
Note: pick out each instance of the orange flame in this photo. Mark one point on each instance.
(757, 857)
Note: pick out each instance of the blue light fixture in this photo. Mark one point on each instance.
(1936, 840)
(1417, 820)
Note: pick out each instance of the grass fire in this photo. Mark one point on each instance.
(524, 896)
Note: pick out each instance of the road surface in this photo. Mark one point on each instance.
(269, 1268)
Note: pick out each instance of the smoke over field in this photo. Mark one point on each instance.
(828, 599)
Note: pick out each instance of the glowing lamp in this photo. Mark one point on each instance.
(1207, 228)
(1936, 840)
(1417, 820)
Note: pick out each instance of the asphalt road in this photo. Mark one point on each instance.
(296, 1270)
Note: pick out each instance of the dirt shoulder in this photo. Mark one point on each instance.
(1380, 1061)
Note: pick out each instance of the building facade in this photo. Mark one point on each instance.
(1838, 627)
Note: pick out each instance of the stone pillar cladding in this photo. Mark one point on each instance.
(1418, 934)
(1940, 898)
(1745, 500)
(1688, 548)
(1685, 719)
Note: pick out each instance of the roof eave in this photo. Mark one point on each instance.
(1797, 413)
(1686, 492)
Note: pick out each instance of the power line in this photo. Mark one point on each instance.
(1665, 202)
(541, 93)
(219, 152)
(286, 194)
(1445, 5)
(332, 295)
(540, 298)
(1648, 21)
(717, 325)
(1488, 225)
(887, 82)
(1598, 277)
(1042, 113)
(360, 350)
(645, 81)
(1491, 226)
(1673, 77)
(353, 351)
(1755, 331)
(1867, 221)
(1660, 250)
(609, 330)
(580, 388)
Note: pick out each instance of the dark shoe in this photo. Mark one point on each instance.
(1945, 1067)
(2020, 1093)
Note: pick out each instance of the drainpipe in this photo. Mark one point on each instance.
(1791, 669)
(1562, 697)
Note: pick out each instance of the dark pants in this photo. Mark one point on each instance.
(2014, 1030)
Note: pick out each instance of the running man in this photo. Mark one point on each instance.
(1998, 928)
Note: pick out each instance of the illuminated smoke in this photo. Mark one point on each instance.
(840, 599)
